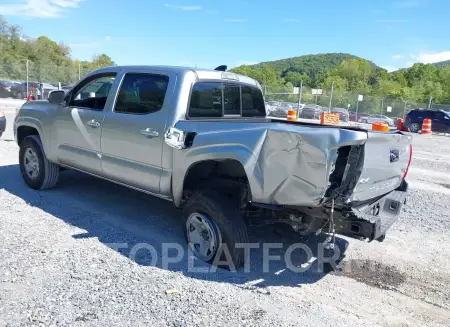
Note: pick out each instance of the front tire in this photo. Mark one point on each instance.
(213, 225)
(37, 172)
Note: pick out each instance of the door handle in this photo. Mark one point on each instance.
(149, 132)
(93, 123)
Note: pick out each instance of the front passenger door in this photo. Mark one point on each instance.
(78, 125)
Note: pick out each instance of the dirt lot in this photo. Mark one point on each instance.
(59, 265)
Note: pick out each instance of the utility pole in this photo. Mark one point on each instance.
(331, 96)
(382, 103)
(357, 104)
(300, 97)
(429, 102)
(79, 70)
(27, 80)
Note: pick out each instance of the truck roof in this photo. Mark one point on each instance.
(201, 73)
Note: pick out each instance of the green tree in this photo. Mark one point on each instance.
(48, 61)
(101, 61)
(296, 78)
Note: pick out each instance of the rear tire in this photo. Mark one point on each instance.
(37, 172)
(226, 224)
(19, 95)
(415, 128)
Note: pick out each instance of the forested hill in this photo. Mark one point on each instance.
(311, 65)
(442, 64)
(47, 60)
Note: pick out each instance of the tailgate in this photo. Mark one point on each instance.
(386, 159)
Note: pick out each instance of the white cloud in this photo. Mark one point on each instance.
(398, 56)
(391, 21)
(235, 20)
(431, 57)
(292, 20)
(389, 68)
(406, 4)
(39, 8)
(185, 8)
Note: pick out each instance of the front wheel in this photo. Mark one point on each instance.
(37, 171)
(213, 229)
(364, 121)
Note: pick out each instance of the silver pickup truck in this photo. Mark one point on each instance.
(201, 139)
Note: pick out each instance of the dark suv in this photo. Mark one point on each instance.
(440, 120)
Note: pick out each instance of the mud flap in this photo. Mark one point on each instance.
(371, 220)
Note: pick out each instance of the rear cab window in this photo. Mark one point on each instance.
(218, 99)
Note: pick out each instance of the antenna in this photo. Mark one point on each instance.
(222, 68)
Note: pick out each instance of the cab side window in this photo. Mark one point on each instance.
(206, 100)
(141, 93)
(94, 93)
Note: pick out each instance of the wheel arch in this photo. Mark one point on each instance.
(27, 127)
(203, 170)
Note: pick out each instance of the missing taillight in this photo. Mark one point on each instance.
(409, 161)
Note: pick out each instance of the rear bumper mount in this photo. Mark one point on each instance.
(372, 220)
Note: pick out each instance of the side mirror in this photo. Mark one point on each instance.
(56, 97)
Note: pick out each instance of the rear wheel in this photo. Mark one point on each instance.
(37, 171)
(213, 227)
(415, 127)
(19, 95)
(364, 121)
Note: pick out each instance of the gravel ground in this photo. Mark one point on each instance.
(59, 267)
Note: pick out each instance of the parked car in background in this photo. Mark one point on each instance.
(67, 87)
(2, 123)
(19, 91)
(343, 114)
(374, 118)
(356, 117)
(363, 117)
(311, 111)
(280, 109)
(440, 120)
(5, 89)
(47, 89)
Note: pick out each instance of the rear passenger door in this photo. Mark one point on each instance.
(133, 132)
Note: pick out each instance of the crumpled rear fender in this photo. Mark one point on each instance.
(284, 164)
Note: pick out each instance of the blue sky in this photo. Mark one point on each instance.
(392, 33)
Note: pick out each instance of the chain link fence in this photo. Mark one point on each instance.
(279, 98)
(16, 75)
